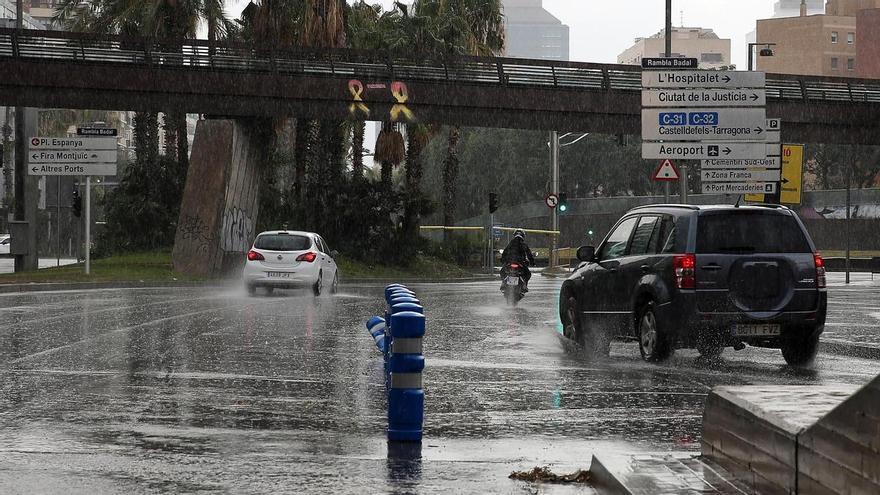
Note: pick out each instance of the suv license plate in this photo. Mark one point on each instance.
(757, 330)
(278, 274)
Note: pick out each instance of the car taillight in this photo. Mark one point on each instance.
(685, 275)
(307, 257)
(254, 256)
(820, 271)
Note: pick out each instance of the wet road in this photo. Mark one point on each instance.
(206, 390)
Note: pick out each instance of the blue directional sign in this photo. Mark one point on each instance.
(704, 124)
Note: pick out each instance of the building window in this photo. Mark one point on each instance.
(834, 36)
(712, 57)
(850, 64)
(833, 63)
(850, 38)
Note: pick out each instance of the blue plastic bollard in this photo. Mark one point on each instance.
(376, 327)
(397, 294)
(407, 306)
(393, 287)
(403, 299)
(406, 398)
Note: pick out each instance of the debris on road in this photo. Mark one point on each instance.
(545, 475)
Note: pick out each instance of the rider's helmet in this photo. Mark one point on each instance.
(520, 233)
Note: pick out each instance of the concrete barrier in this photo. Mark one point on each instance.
(840, 453)
(797, 439)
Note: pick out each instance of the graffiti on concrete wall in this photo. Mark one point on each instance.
(238, 230)
(398, 91)
(195, 231)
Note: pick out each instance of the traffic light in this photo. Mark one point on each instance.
(562, 206)
(493, 202)
(76, 204)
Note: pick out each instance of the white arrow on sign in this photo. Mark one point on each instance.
(702, 79)
(742, 175)
(771, 162)
(739, 187)
(704, 124)
(73, 169)
(71, 156)
(73, 144)
(700, 151)
(704, 97)
(666, 171)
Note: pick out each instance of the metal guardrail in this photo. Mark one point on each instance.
(226, 56)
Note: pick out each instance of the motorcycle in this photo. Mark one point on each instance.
(512, 283)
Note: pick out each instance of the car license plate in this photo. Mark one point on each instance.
(278, 274)
(757, 330)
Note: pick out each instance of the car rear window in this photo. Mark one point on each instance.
(743, 232)
(283, 242)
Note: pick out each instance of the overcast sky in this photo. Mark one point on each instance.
(601, 29)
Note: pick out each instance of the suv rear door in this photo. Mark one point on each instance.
(753, 260)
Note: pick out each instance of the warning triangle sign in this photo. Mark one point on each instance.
(666, 171)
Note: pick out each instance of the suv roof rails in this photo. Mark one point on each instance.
(686, 207)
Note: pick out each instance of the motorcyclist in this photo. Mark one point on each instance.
(517, 251)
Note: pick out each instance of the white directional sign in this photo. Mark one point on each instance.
(739, 187)
(72, 169)
(701, 151)
(64, 156)
(699, 79)
(734, 163)
(704, 97)
(75, 143)
(746, 175)
(72, 156)
(704, 124)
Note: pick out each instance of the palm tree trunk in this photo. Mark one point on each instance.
(357, 150)
(314, 170)
(413, 182)
(182, 143)
(146, 139)
(300, 156)
(450, 179)
(387, 171)
(169, 124)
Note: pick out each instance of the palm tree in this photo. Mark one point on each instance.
(482, 34)
(165, 19)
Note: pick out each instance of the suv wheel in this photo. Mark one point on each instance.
(654, 343)
(799, 352)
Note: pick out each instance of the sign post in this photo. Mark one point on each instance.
(88, 217)
(91, 152)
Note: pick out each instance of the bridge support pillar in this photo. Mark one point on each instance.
(218, 213)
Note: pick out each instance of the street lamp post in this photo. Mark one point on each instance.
(764, 52)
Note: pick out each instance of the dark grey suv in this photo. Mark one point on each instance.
(704, 277)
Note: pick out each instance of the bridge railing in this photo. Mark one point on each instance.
(227, 56)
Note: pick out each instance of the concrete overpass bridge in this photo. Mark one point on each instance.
(75, 70)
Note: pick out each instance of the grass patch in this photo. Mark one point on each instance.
(156, 267)
(422, 267)
(137, 267)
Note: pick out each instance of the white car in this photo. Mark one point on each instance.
(5, 241)
(289, 259)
